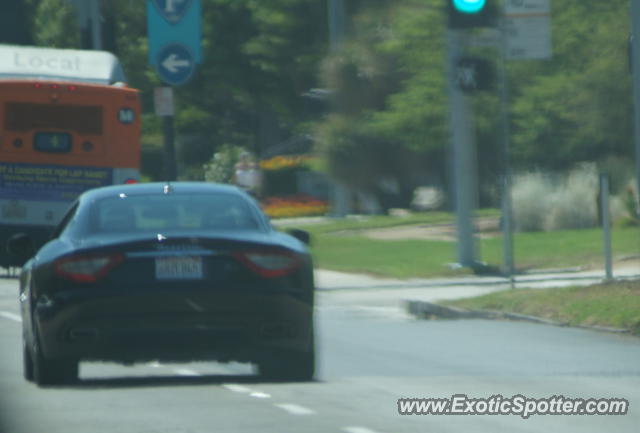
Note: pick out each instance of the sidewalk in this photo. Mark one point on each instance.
(361, 288)
(334, 280)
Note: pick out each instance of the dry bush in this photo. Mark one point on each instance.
(530, 205)
(545, 202)
(574, 202)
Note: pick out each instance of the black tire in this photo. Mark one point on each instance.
(53, 371)
(27, 362)
(288, 365)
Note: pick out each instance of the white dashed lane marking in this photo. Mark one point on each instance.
(187, 372)
(11, 316)
(237, 388)
(245, 390)
(357, 430)
(294, 409)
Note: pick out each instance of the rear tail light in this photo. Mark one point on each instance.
(86, 268)
(269, 264)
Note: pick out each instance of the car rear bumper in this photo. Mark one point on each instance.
(174, 327)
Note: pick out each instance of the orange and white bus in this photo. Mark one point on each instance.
(68, 123)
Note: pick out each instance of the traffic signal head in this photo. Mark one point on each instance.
(469, 6)
(464, 14)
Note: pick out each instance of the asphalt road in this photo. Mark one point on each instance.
(370, 355)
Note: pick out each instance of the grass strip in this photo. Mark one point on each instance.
(384, 221)
(398, 259)
(409, 258)
(614, 304)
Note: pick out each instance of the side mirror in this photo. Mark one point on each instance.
(21, 247)
(302, 235)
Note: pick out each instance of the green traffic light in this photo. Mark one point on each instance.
(469, 6)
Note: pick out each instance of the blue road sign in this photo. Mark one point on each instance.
(170, 21)
(172, 10)
(175, 64)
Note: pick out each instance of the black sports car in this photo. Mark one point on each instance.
(169, 272)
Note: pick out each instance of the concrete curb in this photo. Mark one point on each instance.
(428, 310)
(520, 283)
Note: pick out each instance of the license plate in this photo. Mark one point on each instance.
(179, 268)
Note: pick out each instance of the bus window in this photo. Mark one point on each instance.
(83, 119)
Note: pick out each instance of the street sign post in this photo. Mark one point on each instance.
(171, 21)
(527, 7)
(172, 10)
(526, 34)
(163, 101)
(528, 29)
(174, 38)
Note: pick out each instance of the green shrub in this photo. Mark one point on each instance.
(221, 166)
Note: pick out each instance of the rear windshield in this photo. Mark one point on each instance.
(172, 211)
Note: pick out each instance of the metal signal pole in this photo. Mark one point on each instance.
(463, 143)
(507, 205)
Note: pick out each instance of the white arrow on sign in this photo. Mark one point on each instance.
(170, 5)
(172, 63)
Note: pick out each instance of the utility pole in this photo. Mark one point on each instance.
(90, 22)
(340, 194)
(96, 25)
(336, 23)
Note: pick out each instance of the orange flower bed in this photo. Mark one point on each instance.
(294, 206)
(282, 162)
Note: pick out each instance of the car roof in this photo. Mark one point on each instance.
(159, 188)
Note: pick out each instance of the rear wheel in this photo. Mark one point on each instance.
(288, 365)
(53, 371)
(27, 362)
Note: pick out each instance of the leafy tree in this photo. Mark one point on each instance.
(15, 25)
(388, 84)
(55, 24)
(389, 98)
(573, 108)
(576, 107)
(259, 57)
